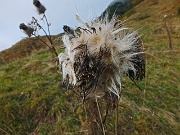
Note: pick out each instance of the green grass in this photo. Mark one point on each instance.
(32, 101)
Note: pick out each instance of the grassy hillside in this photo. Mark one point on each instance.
(25, 48)
(120, 7)
(32, 101)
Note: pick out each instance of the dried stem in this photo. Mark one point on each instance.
(168, 32)
(48, 28)
(100, 115)
(43, 42)
(106, 114)
(136, 84)
(37, 25)
(116, 118)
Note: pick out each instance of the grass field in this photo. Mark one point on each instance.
(32, 101)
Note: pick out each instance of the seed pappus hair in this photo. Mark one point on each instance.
(98, 54)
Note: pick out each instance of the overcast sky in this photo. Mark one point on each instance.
(59, 13)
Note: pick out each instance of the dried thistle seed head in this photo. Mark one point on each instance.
(22, 26)
(102, 52)
(27, 29)
(36, 3)
(69, 31)
(40, 8)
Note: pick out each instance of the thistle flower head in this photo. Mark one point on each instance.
(100, 54)
(28, 30)
(40, 8)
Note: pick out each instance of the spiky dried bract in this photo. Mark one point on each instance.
(94, 61)
(28, 30)
(40, 8)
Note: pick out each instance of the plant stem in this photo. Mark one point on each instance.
(48, 28)
(100, 115)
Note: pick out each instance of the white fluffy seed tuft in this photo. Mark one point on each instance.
(95, 59)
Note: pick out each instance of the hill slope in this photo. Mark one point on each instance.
(119, 7)
(25, 48)
(32, 102)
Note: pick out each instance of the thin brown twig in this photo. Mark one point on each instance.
(100, 115)
(136, 84)
(43, 42)
(106, 114)
(48, 27)
(38, 25)
(96, 120)
(116, 121)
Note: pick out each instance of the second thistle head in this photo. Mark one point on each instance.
(40, 8)
(69, 31)
(27, 29)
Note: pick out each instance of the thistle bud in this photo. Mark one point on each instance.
(27, 29)
(40, 8)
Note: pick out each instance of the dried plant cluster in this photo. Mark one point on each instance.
(33, 28)
(97, 55)
(27, 29)
(40, 8)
